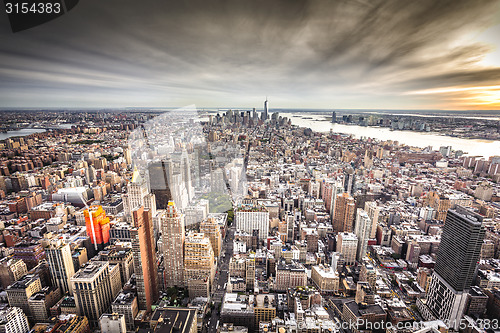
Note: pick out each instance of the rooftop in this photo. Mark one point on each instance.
(91, 270)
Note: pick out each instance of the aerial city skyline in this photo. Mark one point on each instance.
(250, 167)
(148, 221)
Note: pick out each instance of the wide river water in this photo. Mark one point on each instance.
(318, 123)
(21, 132)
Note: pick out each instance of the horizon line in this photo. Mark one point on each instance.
(223, 108)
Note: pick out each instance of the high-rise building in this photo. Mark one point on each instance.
(97, 224)
(13, 320)
(199, 262)
(349, 180)
(368, 274)
(60, 264)
(92, 291)
(265, 113)
(11, 270)
(160, 174)
(186, 174)
(41, 302)
(456, 262)
(334, 117)
(20, 292)
(126, 304)
(343, 216)
(362, 230)
(144, 253)
(249, 218)
(250, 271)
(121, 256)
(138, 196)
(373, 211)
(210, 228)
(347, 245)
(173, 235)
(331, 188)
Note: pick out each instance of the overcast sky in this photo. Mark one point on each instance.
(425, 54)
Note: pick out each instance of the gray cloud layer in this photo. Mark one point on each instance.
(358, 54)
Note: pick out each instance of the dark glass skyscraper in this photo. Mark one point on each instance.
(160, 173)
(456, 263)
(460, 247)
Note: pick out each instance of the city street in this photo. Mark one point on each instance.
(221, 278)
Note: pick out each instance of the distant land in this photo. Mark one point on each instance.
(406, 112)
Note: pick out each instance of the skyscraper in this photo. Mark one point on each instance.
(20, 292)
(343, 215)
(362, 230)
(13, 320)
(60, 264)
(173, 235)
(160, 173)
(334, 117)
(349, 180)
(373, 211)
(265, 113)
(211, 229)
(138, 195)
(92, 291)
(199, 264)
(143, 250)
(347, 245)
(186, 174)
(456, 262)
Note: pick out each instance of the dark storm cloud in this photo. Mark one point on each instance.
(234, 52)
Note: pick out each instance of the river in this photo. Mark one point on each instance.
(318, 123)
(21, 132)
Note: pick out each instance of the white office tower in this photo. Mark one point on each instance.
(249, 218)
(362, 230)
(173, 237)
(13, 320)
(373, 211)
(60, 264)
(335, 261)
(138, 195)
(347, 245)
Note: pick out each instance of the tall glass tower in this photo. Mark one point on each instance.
(456, 262)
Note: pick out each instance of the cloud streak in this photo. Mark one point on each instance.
(345, 54)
